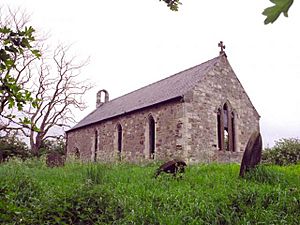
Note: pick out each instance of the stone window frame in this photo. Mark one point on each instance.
(119, 140)
(150, 138)
(96, 144)
(101, 100)
(231, 119)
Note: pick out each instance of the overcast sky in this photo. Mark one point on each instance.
(133, 43)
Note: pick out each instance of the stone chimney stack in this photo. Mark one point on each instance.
(99, 101)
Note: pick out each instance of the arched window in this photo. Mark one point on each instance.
(96, 145)
(151, 133)
(226, 128)
(119, 139)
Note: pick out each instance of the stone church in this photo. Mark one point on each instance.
(201, 114)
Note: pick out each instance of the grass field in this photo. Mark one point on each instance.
(31, 193)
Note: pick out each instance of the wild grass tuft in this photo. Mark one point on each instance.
(95, 173)
(266, 174)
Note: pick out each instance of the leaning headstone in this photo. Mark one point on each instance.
(174, 166)
(55, 159)
(252, 154)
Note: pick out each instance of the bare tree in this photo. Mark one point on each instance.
(60, 91)
(55, 82)
(60, 94)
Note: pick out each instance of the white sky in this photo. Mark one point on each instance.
(133, 43)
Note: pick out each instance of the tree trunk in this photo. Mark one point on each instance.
(36, 145)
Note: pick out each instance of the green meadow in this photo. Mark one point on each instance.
(31, 193)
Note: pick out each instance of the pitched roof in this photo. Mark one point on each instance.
(169, 88)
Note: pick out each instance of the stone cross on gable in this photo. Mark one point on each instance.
(222, 46)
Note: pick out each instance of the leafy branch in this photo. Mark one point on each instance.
(13, 45)
(172, 4)
(273, 12)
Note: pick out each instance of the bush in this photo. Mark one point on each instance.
(285, 152)
(12, 146)
(53, 145)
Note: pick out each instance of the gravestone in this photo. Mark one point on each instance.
(55, 159)
(252, 154)
(174, 166)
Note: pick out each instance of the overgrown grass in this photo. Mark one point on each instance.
(31, 193)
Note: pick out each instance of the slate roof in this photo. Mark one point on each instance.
(169, 88)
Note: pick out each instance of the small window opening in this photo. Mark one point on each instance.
(96, 146)
(233, 131)
(151, 137)
(226, 140)
(220, 129)
(120, 133)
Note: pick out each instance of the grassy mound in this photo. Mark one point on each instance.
(79, 193)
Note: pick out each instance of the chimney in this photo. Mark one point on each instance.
(99, 98)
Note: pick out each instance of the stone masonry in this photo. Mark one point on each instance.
(186, 126)
(169, 137)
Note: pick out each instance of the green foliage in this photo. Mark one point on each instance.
(95, 173)
(273, 12)
(53, 145)
(128, 194)
(264, 174)
(285, 152)
(12, 146)
(13, 44)
(19, 194)
(172, 4)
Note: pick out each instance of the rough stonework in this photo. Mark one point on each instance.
(217, 87)
(168, 120)
(202, 114)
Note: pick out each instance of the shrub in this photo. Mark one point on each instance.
(53, 145)
(285, 152)
(12, 146)
(84, 206)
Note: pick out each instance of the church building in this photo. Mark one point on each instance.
(201, 114)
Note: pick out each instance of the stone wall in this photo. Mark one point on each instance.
(185, 128)
(218, 86)
(135, 141)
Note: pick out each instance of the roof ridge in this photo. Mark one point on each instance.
(162, 90)
(176, 74)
